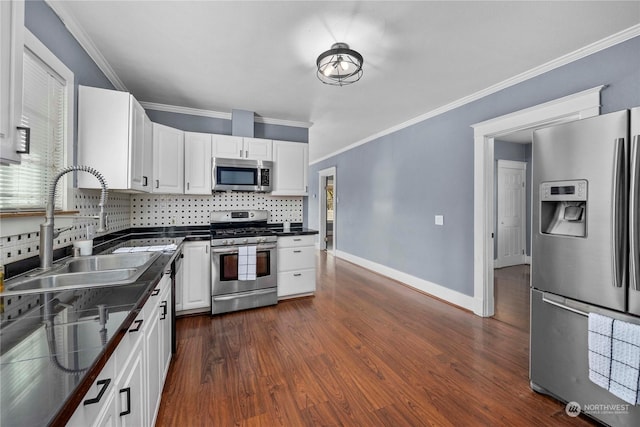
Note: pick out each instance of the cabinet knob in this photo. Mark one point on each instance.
(157, 183)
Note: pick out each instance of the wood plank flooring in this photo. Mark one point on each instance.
(365, 351)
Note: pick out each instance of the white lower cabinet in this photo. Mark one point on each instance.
(129, 388)
(196, 278)
(296, 266)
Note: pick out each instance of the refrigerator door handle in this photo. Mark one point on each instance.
(565, 307)
(633, 213)
(618, 255)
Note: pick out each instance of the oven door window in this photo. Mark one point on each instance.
(229, 266)
(236, 176)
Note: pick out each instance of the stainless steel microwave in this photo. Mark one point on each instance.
(241, 175)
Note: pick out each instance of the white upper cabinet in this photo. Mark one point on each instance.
(237, 147)
(113, 138)
(197, 163)
(258, 149)
(142, 148)
(11, 51)
(291, 164)
(168, 160)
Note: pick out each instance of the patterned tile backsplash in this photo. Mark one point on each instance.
(146, 210)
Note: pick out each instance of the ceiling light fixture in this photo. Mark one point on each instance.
(339, 65)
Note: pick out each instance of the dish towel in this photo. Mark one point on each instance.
(247, 263)
(614, 356)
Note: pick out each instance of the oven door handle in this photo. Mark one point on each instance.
(224, 251)
(234, 250)
(243, 294)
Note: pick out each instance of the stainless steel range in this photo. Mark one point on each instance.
(243, 261)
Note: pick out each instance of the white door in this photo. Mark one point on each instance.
(511, 213)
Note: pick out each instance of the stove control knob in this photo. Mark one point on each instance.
(226, 242)
(245, 241)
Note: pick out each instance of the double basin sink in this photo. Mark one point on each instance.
(84, 272)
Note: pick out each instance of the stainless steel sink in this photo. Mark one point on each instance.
(85, 272)
(108, 262)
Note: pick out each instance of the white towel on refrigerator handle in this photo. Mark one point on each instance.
(247, 263)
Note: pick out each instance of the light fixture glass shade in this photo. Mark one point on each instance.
(339, 65)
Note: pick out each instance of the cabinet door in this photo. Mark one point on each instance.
(130, 392)
(196, 280)
(103, 136)
(136, 144)
(228, 147)
(258, 149)
(147, 155)
(11, 51)
(291, 168)
(152, 366)
(168, 159)
(97, 398)
(197, 163)
(165, 334)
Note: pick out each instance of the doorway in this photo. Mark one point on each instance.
(573, 107)
(512, 242)
(328, 210)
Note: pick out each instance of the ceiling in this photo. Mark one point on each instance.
(260, 55)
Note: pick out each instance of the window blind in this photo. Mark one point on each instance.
(25, 186)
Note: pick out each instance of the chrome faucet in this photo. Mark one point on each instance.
(47, 231)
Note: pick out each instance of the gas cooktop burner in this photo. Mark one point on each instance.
(240, 228)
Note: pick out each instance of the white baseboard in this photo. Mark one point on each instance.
(454, 297)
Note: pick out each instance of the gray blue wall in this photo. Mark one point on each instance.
(390, 189)
(503, 150)
(191, 123)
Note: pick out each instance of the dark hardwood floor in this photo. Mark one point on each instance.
(365, 351)
(511, 295)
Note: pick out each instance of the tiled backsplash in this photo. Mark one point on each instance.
(147, 210)
(16, 247)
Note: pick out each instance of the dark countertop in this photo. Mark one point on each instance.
(51, 351)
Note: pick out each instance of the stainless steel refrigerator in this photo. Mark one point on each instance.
(585, 255)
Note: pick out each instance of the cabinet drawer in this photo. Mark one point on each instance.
(295, 241)
(299, 258)
(296, 282)
(87, 412)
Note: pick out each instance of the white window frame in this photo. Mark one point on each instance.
(32, 43)
(21, 225)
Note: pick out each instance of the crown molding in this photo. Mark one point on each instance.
(590, 49)
(85, 41)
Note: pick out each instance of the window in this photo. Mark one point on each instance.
(47, 96)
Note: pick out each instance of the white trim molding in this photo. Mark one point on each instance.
(78, 32)
(605, 43)
(331, 171)
(454, 297)
(573, 107)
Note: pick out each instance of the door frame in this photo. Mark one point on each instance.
(322, 214)
(573, 107)
(512, 164)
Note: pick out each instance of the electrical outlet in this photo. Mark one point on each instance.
(439, 219)
(172, 221)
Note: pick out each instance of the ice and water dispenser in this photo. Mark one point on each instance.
(563, 208)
